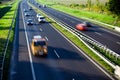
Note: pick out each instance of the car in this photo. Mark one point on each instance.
(39, 46)
(30, 8)
(39, 5)
(27, 14)
(88, 24)
(37, 37)
(44, 6)
(38, 15)
(29, 22)
(41, 19)
(25, 10)
(81, 27)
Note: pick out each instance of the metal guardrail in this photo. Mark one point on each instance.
(83, 36)
(2, 57)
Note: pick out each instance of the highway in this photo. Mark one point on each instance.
(106, 37)
(64, 60)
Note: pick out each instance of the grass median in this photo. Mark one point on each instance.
(84, 14)
(7, 16)
(77, 42)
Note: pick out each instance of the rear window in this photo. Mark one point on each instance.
(39, 43)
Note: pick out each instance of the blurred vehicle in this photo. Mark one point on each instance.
(38, 15)
(39, 46)
(27, 14)
(88, 24)
(29, 22)
(30, 8)
(81, 27)
(41, 19)
(25, 10)
(39, 5)
(44, 6)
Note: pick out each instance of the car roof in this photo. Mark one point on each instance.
(29, 19)
(37, 36)
(41, 17)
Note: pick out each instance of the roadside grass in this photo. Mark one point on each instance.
(5, 24)
(81, 13)
(74, 1)
(78, 43)
(4, 10)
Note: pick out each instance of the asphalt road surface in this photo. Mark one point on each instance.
(64, 60)
(107, 37)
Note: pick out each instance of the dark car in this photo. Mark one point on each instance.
(29, 22)
(27, 14)
(88, 24)
(30, 8)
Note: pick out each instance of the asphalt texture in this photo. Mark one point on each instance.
(108, 38)
(64, 61)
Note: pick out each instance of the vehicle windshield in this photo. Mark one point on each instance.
(29, 20)
(41, 17)
(39, 43)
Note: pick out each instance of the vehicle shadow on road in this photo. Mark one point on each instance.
(64, 54)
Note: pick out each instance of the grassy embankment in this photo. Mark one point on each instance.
(7, 11)
(78, 43)
(83, 12)
(75, 9)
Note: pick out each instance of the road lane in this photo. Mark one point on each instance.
(106, 37)
(62, 52)
(64, 61)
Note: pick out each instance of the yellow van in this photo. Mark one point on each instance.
(39, 46)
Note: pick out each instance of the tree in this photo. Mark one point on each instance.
(114, 6)
(89, 4)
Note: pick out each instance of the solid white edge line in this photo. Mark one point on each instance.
(78, 19)
(110, 32)
(56, 54)
(28, 46)
(85, 55)
(118, 43)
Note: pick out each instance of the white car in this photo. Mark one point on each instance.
(38, 15)
(44, 6)
(29, 22)
(41, 19)
(27, 14)
(37, 37)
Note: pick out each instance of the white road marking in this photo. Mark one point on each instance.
(28, 46)
(73, 79)
(98, 33)
(84, 54)
(41, 30)
(118, 43)
(46, 38)
(110, 32)
(56, 54)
